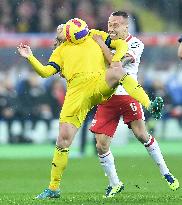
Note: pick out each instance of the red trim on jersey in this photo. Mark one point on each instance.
(151, 142)
(128, 37)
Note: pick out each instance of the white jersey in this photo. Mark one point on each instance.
(135, 49)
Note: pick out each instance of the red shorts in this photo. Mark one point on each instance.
(108, 114)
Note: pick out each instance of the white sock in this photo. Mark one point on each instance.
(155, 152)
(107, 162)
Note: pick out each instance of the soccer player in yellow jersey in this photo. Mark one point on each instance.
(81, 62)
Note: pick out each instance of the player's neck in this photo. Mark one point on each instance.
(124, 36)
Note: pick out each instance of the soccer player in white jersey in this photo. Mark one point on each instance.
(121, 104)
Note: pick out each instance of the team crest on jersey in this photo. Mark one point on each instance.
(135, 45)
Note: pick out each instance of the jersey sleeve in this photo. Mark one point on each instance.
(119, 45)
(121, 48)
(98, 32)
(43, 71)
(56, 60)
(104, 35)
(52, 67)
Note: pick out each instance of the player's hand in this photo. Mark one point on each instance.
(126, 60)
(24, 50)
(98, 39)
(57, 43)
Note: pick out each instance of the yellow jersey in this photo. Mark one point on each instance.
(73, 59)
(83, 66)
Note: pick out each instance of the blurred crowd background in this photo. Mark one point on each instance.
(29, 103)
(44, 15)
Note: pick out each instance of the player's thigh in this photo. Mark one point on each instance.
(107, 117)
(102, 91)
(75, 108)
(131, 110)
(69, 114)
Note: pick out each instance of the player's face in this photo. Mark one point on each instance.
(117, 27)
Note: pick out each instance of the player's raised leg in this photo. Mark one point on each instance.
(151, 145)
(116, 74)
(67, 132)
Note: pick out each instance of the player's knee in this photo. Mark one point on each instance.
(64, 139)
(102, 147)
(142, 137)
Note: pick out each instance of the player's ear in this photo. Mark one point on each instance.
(60, 26)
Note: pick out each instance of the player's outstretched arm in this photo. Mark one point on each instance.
(43, 71)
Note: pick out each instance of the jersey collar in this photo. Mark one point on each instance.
(128, 37)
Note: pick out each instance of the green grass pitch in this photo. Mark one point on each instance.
(84, 181)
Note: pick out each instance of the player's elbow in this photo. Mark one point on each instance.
(44, 75)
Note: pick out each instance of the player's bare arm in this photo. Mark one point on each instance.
(107, 53)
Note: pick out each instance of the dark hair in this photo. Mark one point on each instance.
(124, 14)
